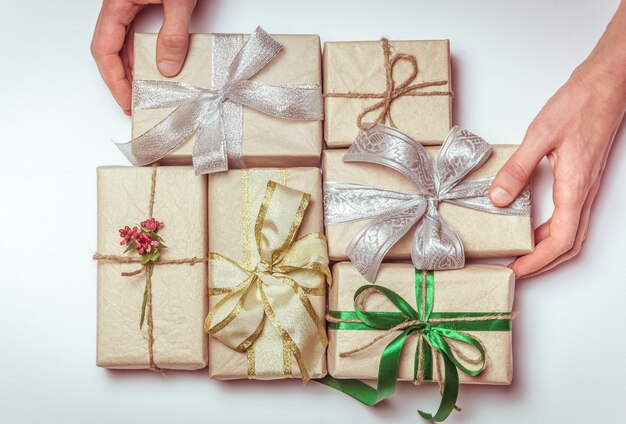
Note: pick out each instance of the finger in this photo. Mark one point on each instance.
(515, 173)
(108, 40)
(173, 39)
(583, 227)
(562, 235)
(542, 231)
(126, 54)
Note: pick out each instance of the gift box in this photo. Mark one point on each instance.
(249, 211)
(169, 332)
(482, 234)
(405, 84)
(480, 294)
(263, 139)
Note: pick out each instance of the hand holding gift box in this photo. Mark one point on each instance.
(203, 106)
(427, 187)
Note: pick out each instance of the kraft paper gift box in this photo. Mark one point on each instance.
(483, 234)
(179, 302)
(355, 78)
(235, 198)
(267, 140)
(476, 288)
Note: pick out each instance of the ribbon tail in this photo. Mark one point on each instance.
(435, 244)
(166, 136)
(450, 393)
(210, 152)
(387, 376)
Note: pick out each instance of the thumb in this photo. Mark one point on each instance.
(515, 173)
(173, 39)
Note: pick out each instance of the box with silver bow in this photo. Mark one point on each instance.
(405, 84)
(388, 197)
(268, 268)
(239, 101)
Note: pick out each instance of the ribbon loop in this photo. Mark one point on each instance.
(276, 289)
(214, 115)
(435, 244)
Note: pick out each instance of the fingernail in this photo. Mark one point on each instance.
(499, 196)
(169, 68)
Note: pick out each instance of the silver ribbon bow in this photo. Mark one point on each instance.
(435, 244)
(216, 115)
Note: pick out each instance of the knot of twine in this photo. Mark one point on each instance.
(147, 270)
(392, 92)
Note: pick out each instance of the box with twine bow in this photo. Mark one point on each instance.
(403, 84)
(268, 270)
(448, 327)
(151, 280)
(240, 101)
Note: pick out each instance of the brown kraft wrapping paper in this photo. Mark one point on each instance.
(179, 291)
(267, 140)
(484, 235)
(359, 67)
(229, 225)
(476, 288)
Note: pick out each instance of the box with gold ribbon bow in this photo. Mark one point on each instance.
(268, 269)
(240, 101)
(152, 268)
(449, 327)
(404, 84)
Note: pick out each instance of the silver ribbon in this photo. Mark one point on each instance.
(435, 244)
(215, 115)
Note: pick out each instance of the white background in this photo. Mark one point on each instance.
(57, 121)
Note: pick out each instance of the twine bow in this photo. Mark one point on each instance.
(277, 288)
(203, 111)
(393, 90)
(435, 245)
(433, 330)
(147, 269)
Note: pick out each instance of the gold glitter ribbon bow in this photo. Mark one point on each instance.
(270, 303)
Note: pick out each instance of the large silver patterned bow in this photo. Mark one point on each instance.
(216, 115)
(435, 244)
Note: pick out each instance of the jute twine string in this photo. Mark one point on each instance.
(392, 92)
(147, 270)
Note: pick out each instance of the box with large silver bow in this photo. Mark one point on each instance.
(239, 101)
(405, 84)
(268, 268)
(388, 197)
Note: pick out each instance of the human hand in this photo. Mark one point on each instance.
(112, 44)
(575, 130)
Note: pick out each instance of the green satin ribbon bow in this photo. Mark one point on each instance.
(432, 327)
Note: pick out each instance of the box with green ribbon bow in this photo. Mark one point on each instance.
(448, 327)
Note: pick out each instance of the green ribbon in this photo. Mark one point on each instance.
(433, 328)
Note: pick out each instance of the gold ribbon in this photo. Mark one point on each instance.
(392, 91)
(275, 290)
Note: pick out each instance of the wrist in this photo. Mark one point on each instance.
(604, 77)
